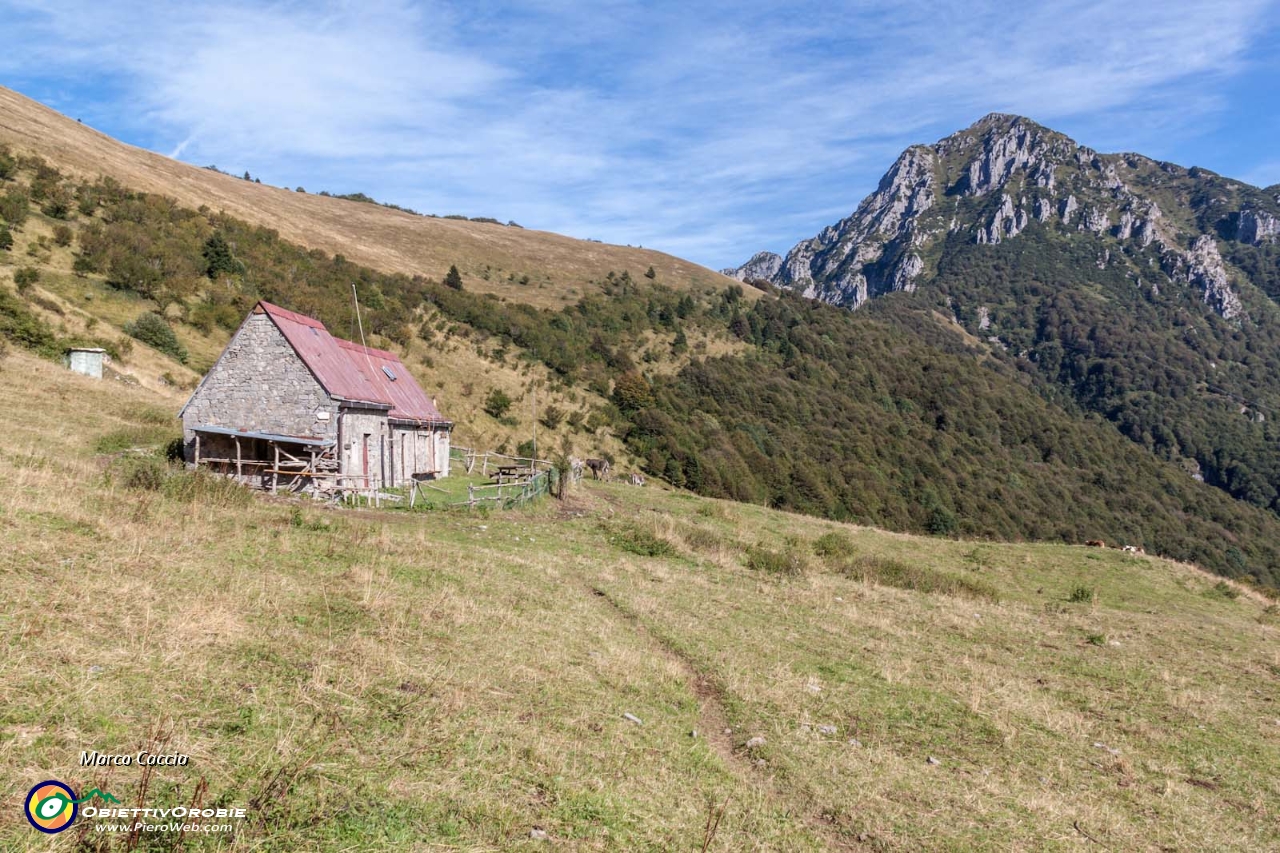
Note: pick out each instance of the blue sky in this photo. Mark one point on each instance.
(710, 130)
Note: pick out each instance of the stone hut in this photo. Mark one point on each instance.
(289, 406)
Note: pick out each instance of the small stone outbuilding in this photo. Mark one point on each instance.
(289, 406)
(86, 361)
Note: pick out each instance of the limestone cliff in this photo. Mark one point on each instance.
(994, 181)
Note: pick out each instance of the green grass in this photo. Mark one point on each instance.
(913, 576)
(381, 680)
(787, 561)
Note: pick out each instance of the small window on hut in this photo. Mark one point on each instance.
(390, 373)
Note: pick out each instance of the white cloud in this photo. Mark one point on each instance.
(711, 130)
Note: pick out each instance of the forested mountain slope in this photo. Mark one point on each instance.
(1140, 291)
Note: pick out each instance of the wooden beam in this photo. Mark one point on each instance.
(239, 466)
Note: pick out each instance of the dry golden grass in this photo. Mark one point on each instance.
(561, 268)
(450, 681)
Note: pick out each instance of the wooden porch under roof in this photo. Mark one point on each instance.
(271, 460)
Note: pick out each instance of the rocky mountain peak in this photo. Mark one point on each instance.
(988, 184)
(763, 266)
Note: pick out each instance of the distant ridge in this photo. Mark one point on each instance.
(376, 236)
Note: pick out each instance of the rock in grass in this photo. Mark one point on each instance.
(633, 718)
(935, 762)
(827, 731)
(756, 742)
(539, 834)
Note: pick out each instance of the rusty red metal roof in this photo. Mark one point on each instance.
(353, 372)
(319, 350)
(388, 374)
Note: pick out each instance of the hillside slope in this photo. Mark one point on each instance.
(1142, 291)
(93, 269)
(489, 257)
(396, 681)
(783, 401)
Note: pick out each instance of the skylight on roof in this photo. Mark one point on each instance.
(390, 373)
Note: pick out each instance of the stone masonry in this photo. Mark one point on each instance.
(260, 383)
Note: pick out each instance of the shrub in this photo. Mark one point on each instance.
(497, 403)
(453, 279)
(175, 450)
(62, 235)
(1223, 590)
(14, 207)
(25, 278)
(942, 522)
(57, 203)
(551, 417)
(6, 239)
(1082, 595)
(631, 392)
(636, 540)
(901, 575)
(789, 561)
(141, 473)
(155, 332)
(702, 538)
(24, 328)
(1096, 639)
(203, 487)
(218, 258)
(833, 544)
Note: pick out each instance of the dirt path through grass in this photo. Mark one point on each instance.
(715, 725)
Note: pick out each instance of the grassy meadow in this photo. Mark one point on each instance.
(382, 680)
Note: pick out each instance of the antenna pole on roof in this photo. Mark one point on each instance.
(356, 299)
(359, 323)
